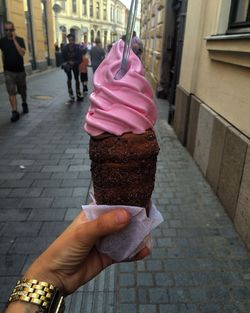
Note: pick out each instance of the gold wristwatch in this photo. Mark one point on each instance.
(43, 294)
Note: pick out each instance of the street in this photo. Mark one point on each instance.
(198, 263)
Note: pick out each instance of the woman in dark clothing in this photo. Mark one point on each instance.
(72, 58)
(97, 54)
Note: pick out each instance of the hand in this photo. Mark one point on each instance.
(72, 259)
(13, 35)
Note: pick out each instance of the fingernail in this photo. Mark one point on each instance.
(121, 217)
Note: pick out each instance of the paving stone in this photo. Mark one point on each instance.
(154, 265)
(71, 214)
(210, 308)
(32, 245)
(168, 308)
(37, 203)
(142, 295)
(147, 308)
(127, 295)
(144, 279)
(25, 192)
(14, 214)
(45, 214)
(16, 183)
(11, 264)
(240, 293)
(37, 175)
(179, 295)
(164, 279)
(68, 202)
(125, 308)
(158, 295)
(126, 279)
(53, 229)
(67, 175)
(57, 192)
(47, 183)
(20, 229)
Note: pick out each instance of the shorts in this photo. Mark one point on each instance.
(15, 83)
(84, 77)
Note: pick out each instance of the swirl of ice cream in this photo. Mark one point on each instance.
(120, 106)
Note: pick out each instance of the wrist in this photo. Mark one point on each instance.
(42, 272)
(32, 295)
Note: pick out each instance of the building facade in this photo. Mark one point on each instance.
(212, 116)
(33, 21)
(89, 19)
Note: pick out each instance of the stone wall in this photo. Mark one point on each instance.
(222, 154)
(152, 33)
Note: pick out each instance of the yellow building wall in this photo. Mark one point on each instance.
(38, 30)
(79, 22)
(51, 36)
(221, 85)
(15, 13)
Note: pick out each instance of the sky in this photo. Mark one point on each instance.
(127, 3)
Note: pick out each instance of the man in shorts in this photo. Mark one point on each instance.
(13, 50)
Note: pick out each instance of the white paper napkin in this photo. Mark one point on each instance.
(126, 243)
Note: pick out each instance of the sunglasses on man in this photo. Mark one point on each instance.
(9, 29)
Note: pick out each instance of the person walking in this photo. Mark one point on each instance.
(71, 60)
(97, 54)
(13, 50)
(137, 45)
(83, 68)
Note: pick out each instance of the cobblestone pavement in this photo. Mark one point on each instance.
(198, 263)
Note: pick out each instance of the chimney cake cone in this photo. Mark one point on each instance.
(123, 147)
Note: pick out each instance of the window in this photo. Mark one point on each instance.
(105, 10)
(111, 13)
(74, 6)
(84, 7)
(239, 16)
(91, 8)
(62, 4)
(97, 10)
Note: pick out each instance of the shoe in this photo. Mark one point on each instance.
(25, 108)
(71, 95)
(85, 88)
(79, 96)
(14, 116)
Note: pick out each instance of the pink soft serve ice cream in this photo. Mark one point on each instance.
(120, 106)
(123, 147)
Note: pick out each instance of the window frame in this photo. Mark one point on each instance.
(239, 27)
(74, 7)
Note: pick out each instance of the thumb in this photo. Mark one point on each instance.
(105, 224)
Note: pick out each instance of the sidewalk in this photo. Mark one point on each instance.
(198, 264)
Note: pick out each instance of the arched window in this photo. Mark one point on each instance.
(99, 34)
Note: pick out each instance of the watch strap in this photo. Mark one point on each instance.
(43, 294)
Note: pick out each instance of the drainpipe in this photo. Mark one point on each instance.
(46, 29)
(32, 36)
